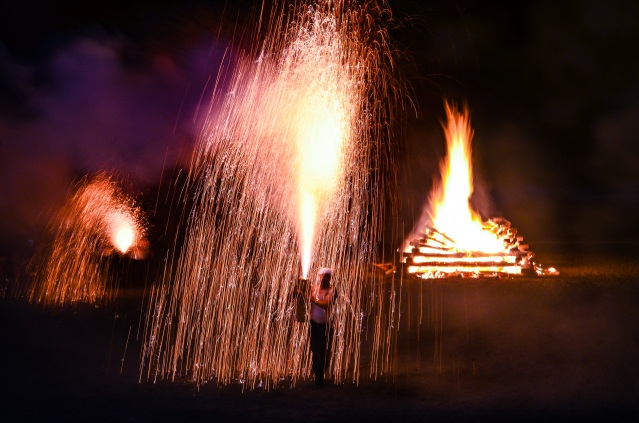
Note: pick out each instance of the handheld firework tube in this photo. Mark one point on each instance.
(301, 306)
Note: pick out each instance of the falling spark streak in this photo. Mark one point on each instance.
(287, 176)
(98, 220)
(125, 348)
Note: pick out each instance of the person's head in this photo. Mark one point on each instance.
(326, 281)
(324, 276)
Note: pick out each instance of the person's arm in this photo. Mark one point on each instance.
(323, 303)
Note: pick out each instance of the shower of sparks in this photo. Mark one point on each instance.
(457, 241)
(97, 221)
(287, 178)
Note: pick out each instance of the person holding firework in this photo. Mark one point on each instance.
(320, 327)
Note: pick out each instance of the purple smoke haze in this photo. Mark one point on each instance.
(93, 111)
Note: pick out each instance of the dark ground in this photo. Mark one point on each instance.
(528, 349)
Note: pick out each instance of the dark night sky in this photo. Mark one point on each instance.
(552, 88)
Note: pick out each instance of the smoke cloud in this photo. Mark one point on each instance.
(86, 109)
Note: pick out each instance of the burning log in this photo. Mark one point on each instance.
(387, 268)
(435, 255)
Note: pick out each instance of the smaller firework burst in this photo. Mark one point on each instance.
(98, 221)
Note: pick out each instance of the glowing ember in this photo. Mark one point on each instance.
(458, 241)
(74, 267)
(286, 177)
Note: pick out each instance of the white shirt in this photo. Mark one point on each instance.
(318, 314)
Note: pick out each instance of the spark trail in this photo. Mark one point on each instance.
(287, 177)
(98, 220)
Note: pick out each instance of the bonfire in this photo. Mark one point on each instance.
(456, 241)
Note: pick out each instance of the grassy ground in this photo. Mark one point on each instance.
(525, 349)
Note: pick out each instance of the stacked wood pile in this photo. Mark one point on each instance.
(435, 255)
